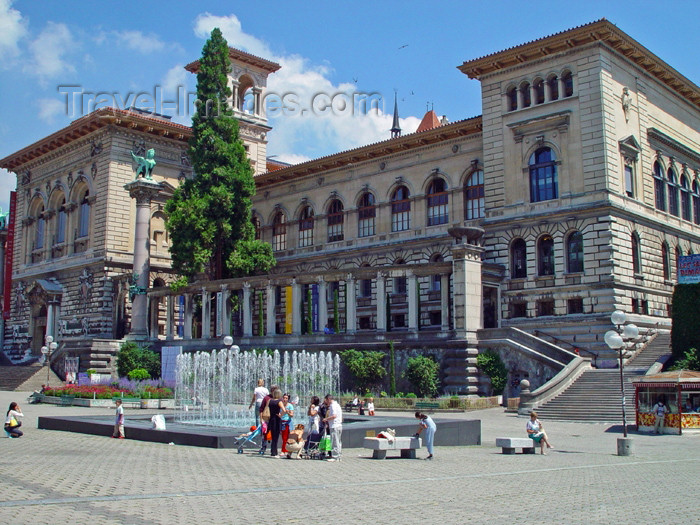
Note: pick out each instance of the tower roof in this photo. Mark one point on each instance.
(241, 56)
(395, 127)
(430, 121)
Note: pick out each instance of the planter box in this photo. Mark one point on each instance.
(108, 403)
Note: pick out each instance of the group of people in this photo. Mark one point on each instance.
(275, 412)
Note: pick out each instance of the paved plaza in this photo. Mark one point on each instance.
(61, 477)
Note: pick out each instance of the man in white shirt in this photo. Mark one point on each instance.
(334, 418)
(258, 395)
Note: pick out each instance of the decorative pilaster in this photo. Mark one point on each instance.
(381, 302)
(322, 305)
(412, 296)
(296, 307)
(467, 290)
(445, 302)
(187, 329)
(351, 307)
(143, 190)
(270, 310)
(247, 312)
(206, 314)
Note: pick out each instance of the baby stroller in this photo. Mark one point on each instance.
(249, 440)
(313, 448)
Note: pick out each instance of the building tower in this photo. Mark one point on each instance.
(395, 128)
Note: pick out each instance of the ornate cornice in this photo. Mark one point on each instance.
(601, 31)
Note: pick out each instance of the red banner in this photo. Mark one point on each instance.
(9, 253)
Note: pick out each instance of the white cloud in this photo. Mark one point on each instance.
(297, 136)
(12, 28)
(138, 41)
(48, 52)
(50, 108)
(8, 183)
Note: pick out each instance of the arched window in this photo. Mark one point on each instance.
(553, 82)
(545, 255)
(696, 203)
(518, 259)
(257, 227)
(567, 80)
(366, 213)
(636, 255)
(512, 96)
(672, 192)
(538, 84)
(574, 253)
(279, 232)
(659, 187)
(525, 90)
(61, 221)
(40, 229)
(400, 209)
(685, 199)
(666, 261)
(437, 202)
(335, 221)
(543, 175)
(306, 227)
(435, 279)
(474, 196)
(84, 216)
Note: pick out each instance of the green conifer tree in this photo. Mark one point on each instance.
(209, 215)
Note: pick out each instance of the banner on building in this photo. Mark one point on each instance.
(314, 308)
(181, 316)
(689, 269)
(9, 256)
(288, 309)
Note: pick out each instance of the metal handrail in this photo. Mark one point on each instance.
(577, 349)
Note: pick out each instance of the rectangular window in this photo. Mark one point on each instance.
(366, 288)
(575, 305)
(435, 318)
(629, 180)
(335, 232)
(365, 323)
(545, 308)
(437, 209)
(400, 214)
(399, 321)
(518, 309)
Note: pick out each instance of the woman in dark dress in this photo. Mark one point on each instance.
(277, 410)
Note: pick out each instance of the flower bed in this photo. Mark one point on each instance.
(140, 389)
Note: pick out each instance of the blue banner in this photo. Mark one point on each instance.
(181, 316)
(689, 269)
(314, 307)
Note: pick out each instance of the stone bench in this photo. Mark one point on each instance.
(508, 445)
(379, 446)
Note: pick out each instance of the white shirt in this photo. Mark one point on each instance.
(335, 410)
(370, 406)
(260, 393)
(11, 414)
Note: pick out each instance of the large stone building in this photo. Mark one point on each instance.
(572, 195)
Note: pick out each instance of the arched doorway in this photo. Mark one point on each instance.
(38, 328)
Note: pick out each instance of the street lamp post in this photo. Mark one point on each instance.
(48, 349)
(617, 340)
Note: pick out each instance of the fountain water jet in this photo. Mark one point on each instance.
(214, 388)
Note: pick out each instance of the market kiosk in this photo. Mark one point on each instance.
(680, 390)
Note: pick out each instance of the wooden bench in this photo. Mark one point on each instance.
(66, 401)
(422, 405)
(379, 446)
(508, 445)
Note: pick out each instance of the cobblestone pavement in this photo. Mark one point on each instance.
(61, 477)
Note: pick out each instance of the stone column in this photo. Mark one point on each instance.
(322, 305)
(225, 311)
(206, 314)
(270, 310)
(381, 302)
(412, 295)
(445, 302)
(169, 318)
(468, 291)
(52, 306)
(187, 329)
(247, 312)
(351, 308)
(296, 308)
(143, 190)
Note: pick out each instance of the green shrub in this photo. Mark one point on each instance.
(132, 356)
(365, 366)
(411, 395)
(490, 363)
(138, 374)
(689, 361)
(422, 373)
(685, 333)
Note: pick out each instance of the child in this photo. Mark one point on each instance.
(370, 406)
(119, 421)
(295, 442)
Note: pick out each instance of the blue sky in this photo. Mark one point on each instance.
(323, 47)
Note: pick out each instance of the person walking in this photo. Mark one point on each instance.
(427, 425)
(12, 422)
(119, 421)
(535, 431)
(334, 417)
(660, 410)
(258, 395)
(287, 422)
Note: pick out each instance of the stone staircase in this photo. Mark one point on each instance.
(595, 396)
(25, 378)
